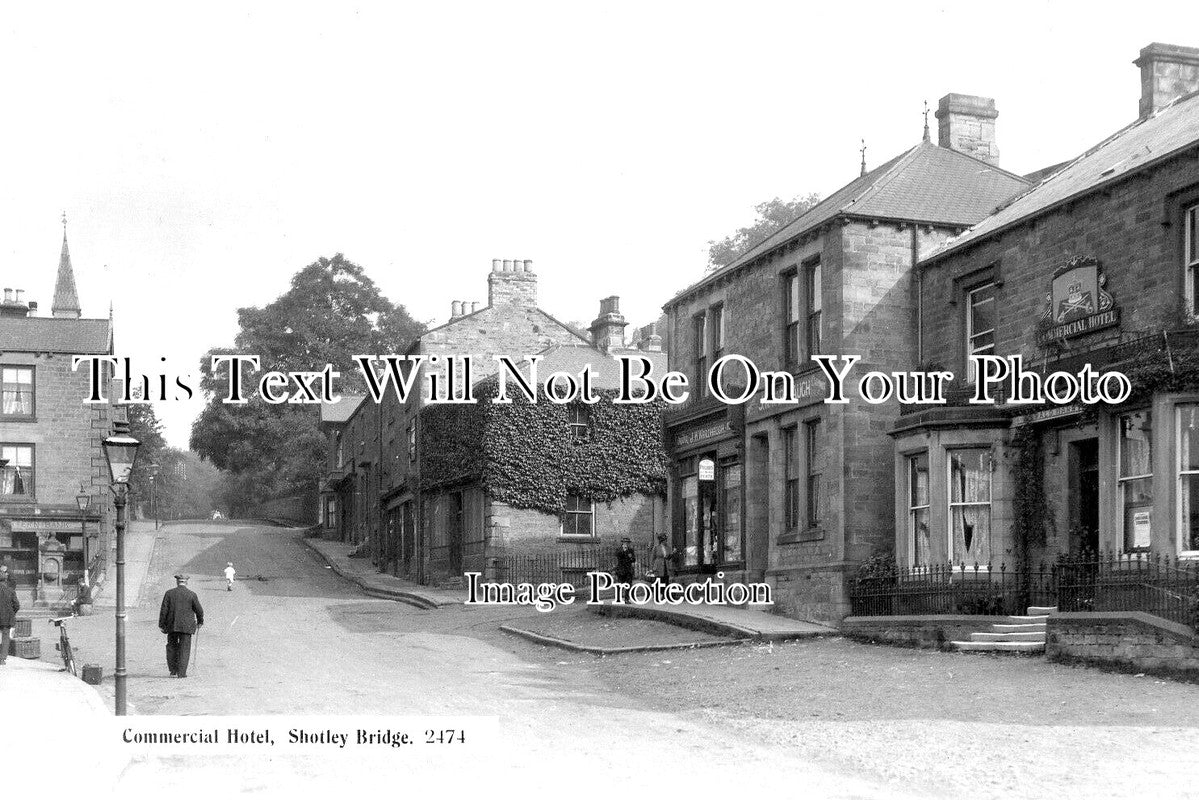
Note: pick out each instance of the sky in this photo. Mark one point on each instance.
(204, 153)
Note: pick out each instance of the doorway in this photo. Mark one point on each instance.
(1084, 496)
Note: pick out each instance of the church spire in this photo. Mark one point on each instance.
(66, 298)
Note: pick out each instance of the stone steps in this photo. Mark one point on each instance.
(1022, 633)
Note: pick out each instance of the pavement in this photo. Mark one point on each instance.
(380, 584)
(733, 621)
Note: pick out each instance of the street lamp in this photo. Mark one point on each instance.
(153, 470)
(83, 500)
(120, 451)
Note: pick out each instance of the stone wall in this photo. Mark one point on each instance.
(932, 631)
(1124, 640)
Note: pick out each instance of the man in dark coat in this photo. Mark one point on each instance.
(181, 616)
(9, 606)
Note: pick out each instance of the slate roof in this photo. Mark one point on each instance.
(572, 359)
(342, 410)
(50, 335)
(927, 184)
(1161, 136)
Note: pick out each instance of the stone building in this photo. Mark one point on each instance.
(799, 493)
(1097, 264)
(50, 444)
(387, 487)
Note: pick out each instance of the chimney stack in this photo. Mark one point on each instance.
(1168, 71)
(966, 123)
(512, 283)
(607, 331)
(14, 305)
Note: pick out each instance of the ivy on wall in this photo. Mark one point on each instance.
(523, 453)
(1030, 509)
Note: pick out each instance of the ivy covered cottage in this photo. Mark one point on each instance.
(799, 493)
(1097, 264)
(521, 490)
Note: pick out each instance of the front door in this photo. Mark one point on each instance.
(1084, 493)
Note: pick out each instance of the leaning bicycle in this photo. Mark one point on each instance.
(64, 645)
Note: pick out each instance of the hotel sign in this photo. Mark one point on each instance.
(1077, 302)
(704, 434)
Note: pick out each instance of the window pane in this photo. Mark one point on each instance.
(971, 534)
(918, 480)
(1188, 437)
(1189, 497)
(982, 315)
(814, 334)
(792, 297)
(789, 466)
(718, 327)
(814, 501)
(919, 535)
(969, 476)
(731, 522)
(1192, 235)
(690, 521)
(815, 446)
(1135, 450)
(815, 299)
(1137, 499)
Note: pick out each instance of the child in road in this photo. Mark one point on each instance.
(229, 573)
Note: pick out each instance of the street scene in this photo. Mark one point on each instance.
(642, 398)
(840, 718)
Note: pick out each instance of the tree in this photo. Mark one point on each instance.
(772, 215)
(331, 312)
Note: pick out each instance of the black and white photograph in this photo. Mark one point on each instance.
(629, 399)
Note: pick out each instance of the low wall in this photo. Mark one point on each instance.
(1131, 641)
(932, 631)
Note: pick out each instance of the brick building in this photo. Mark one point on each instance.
(799, 493)
(381, 489)
(50, 443)
(1098, 263)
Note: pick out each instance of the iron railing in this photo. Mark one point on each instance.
(1160, 585)
(953, 589)
(566, 566)
(1155, 584)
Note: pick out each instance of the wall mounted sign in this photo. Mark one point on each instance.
(697, 435)
(1077, 302)
(707, 469)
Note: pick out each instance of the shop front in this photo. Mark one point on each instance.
(707, 495)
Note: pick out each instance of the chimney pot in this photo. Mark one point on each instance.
(455, 309)
(507, 265)
(473, 306)
(19, 293)
(1168, 71)
(496, 265)
(966, 123)
(33, 308)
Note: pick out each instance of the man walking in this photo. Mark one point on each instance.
(230, 572)
(180, 617)
(9, 606)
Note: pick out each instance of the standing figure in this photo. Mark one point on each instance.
(661, 560)
(180, 617)
(9, 606)
(229, 573)
(626, 558)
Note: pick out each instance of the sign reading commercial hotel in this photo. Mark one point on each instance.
(1077, 302)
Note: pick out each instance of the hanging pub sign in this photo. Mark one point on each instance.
(707, 469)
(1077, 302)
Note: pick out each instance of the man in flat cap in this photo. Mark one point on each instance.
(181, 615)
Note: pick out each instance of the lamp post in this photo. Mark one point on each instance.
(83, 500)
(120, 451)
(153, 470)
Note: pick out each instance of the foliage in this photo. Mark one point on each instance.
(331, 312)
(772, 215)
(983, 604)
(1157, 372)
(879, 568)
(523, 453)
(1030, 508)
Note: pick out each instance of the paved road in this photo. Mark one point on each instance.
(304, 641)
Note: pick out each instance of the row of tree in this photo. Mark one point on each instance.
(331, 311)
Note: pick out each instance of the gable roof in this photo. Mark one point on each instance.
(51, 335)
(1131, 149)
(342, 410)
(926, 184)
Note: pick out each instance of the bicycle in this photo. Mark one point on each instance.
(64, 645)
